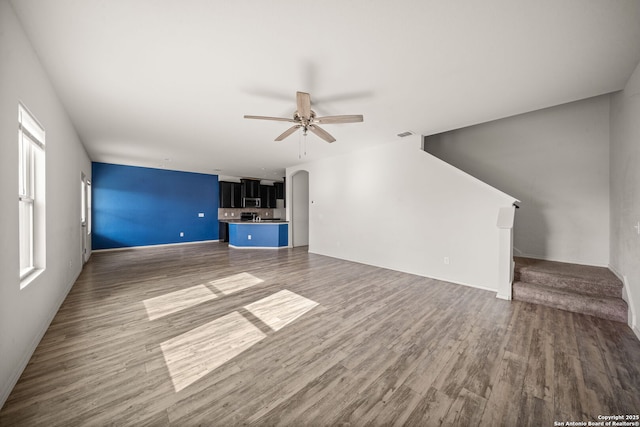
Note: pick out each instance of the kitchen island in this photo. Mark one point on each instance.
(260, 234)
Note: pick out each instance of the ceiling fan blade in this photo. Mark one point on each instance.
(278, 119)
(355, 118)
(287, 132)
(303, 101)
(321, 133)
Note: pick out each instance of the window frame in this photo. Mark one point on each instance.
(31, 170)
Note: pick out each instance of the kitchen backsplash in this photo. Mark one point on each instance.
(234, 213)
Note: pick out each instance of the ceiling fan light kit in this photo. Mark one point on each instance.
(305, 118)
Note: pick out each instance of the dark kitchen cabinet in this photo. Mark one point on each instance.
(267, 196)
(250, 188)
(230, 194)
(223, 231)
(279, 187)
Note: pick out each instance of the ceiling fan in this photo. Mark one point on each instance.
(305, 118)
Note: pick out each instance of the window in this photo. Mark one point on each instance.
(31, 138)
(85, 215)
(85, 203)
(83, 200)
(88, 207)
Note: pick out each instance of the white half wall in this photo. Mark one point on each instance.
(26, 314)
(625, 192)
(556, 161)
(398, 207)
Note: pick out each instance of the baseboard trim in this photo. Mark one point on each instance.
(24, 361)
(125, 248)
(440, 279)
(632, 319)
(258, 247)
(504, 297)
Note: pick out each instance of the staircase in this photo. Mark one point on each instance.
(595, 291)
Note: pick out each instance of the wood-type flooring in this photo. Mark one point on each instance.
(206, 335)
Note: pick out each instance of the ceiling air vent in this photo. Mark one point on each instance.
(403, 134)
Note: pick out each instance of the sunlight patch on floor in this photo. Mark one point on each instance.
(195, 353)
(173, 302)
(280, 309)
(235, 283)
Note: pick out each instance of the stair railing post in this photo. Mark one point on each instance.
(505, 222)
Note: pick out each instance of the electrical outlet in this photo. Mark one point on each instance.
(182, 234)
(249, 237)
(201, 215)
(232, 214)
(446, 260)
(225, 214)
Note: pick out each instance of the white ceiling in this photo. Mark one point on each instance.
(149, 80)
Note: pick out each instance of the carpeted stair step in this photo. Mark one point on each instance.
(588, 280)
(605, 307)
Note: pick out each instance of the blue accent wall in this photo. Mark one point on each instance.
(135, 206)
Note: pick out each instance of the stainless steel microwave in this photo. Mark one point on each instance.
(249, 202)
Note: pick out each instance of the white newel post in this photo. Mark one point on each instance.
(505, 275)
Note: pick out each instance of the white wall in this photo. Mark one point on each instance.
(395, 206)
(299, 229)
(25, 314)
(556, 161)
(625, 191)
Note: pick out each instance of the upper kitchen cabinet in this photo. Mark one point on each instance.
(279, 187)
(267, 196)
(250, 188)
(230, 194)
